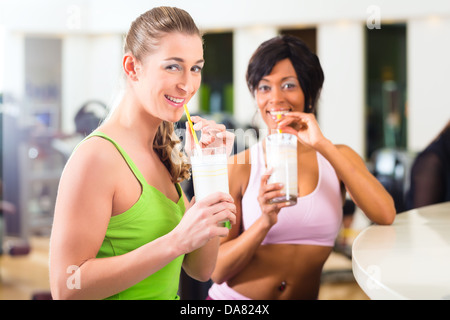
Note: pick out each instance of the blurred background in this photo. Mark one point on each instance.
(386, 95)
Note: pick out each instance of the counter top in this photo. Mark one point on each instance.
(409, 259)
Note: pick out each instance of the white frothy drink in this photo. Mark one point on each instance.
(210, 173)
(281, 155)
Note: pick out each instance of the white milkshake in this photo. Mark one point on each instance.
(210, 173)
(281, 155)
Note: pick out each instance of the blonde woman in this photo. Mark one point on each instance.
(123, 228)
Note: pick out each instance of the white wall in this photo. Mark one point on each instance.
(91, 70)
(340, 25)
(245, 42)
(14, 66)
(106, 16)
(340, 48)
(428, 42)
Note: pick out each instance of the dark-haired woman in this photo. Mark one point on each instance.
(275, 251)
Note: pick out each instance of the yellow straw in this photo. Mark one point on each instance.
(278, 118)
(191, 125)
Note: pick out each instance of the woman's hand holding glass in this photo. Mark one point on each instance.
(212, 135)
(201, 222)
(267, 192)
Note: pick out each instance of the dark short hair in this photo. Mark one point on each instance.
(306, 64)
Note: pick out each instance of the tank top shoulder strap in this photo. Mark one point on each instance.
(125, 156)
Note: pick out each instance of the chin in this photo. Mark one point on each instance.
(175, 117)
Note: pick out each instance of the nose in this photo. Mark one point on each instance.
(276, 96)
(188, 83)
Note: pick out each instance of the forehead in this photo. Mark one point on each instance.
(181, 45)
(283, 68)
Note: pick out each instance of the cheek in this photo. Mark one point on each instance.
(145, 85)
(297, 101)
(260, 101)
(197, 84)
(300, 103)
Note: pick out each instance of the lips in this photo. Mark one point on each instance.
(274, 113)
(174, 100)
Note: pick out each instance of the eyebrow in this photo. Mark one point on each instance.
(182, 60)
(283, 79)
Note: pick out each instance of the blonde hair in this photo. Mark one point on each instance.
(142, 39)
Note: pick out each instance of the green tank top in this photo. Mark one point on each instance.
(151, 217)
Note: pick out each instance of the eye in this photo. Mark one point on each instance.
(196, 69)
(288, 85)
(173, 67)
(263, 88)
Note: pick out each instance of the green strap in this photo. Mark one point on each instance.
(127, 158)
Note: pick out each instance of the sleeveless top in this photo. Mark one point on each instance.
(151, 217)
(315, 219)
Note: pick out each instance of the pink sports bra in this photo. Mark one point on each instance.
(315, 219)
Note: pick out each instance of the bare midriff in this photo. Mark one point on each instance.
(282, 271)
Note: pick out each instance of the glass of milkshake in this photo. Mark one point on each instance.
(281, 155)
(210, 172)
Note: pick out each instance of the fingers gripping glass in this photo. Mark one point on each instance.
(210, 173)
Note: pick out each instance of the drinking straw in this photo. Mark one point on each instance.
(278, 118)
(191, 126)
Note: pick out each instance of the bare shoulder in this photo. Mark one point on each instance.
(239, 168)
(92, 166)
(94, 154)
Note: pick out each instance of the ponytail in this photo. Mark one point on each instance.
(167, 146)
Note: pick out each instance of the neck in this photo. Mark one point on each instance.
(130, 116)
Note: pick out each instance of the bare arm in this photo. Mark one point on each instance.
(82, 213)
(200, 263)
(365, 190)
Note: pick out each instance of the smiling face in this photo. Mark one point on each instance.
(168, 78)
(279, 92)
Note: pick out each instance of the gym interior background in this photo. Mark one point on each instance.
(386, 73)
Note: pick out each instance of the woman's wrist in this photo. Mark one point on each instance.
(175, 245)
(264, 224)
(323, 145)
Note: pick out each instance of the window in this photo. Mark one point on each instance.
(386, 88)
(216, 91)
